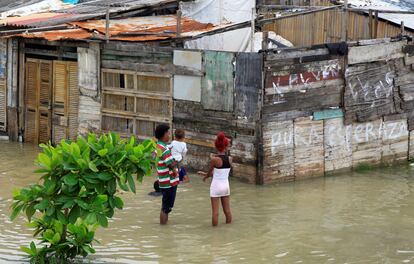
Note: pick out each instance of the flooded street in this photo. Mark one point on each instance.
(365, 217)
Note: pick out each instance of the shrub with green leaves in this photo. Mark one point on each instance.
(78, 192)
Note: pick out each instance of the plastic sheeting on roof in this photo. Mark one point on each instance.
(389, 5)
(42, 6)
(216, 12)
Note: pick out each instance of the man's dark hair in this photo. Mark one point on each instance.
(160, 131)
(179, 134)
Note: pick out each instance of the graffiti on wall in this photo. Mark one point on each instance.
(340, 135)
(302, 81)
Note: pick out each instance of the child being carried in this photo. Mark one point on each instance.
(179, 150)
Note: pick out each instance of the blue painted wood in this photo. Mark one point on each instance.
(328, 114)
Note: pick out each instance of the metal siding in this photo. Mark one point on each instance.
(248, 83)
(218, 85)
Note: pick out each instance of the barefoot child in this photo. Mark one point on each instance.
(220, 166)
(178, 151)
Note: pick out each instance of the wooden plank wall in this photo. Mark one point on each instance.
(295, 2)
(89, 67)
(213, 110)
(305, 133)
(326, 27)
(238, 121)
(3, 85)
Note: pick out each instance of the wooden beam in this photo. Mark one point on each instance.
(271, 20)
(147, 67)
(382, 11)
(345, 17)
(178, 31)
(281, 7)
(31, 30)
(370, 24)
(107, 24)
(376, 25)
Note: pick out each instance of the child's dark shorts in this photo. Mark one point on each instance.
(168, 199)
(182, 173)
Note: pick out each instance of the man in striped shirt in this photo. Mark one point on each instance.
(167, 177)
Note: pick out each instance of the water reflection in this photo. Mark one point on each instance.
(356, 218)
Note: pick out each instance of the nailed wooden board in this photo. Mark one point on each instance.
(248, 83)
(370, 92)
(411, 146)
(366, 143)
(309, 148)
(395, 141)
(379, 52)
(278, 150)
(337, 144)
(217, 84)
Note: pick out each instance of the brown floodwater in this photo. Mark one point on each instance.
(365, 217)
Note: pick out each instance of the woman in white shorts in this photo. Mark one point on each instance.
(220, 166)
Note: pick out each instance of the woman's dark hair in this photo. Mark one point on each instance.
(160, 131)
(157, 186)
(221, 142)
(179, 134)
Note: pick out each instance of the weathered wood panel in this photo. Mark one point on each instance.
(248, 83)
(140, 100)
(411, 146)
(395, 141)
(218, 85)
(3, 85)
(404, 81)
(89, 69)
(187, 87)
(89, 115)
(381, 52)
(367, 143)
(308, 148)
(370, 92)
(337, 144)
(299, 84)
(3, 105)
(278, 148)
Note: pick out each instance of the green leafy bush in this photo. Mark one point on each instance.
(78, 192)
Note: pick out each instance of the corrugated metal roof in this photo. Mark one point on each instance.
(151, 24)
(99, 7)
(7, 5)
(133, 29)
(86, 10)
(34, 20)
(392, 6)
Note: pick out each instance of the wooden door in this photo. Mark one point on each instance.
(65, 100)
(38, 101)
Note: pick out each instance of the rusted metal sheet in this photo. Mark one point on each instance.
(187, 87)
(131, 29)
(248, 83)
(218, 85)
